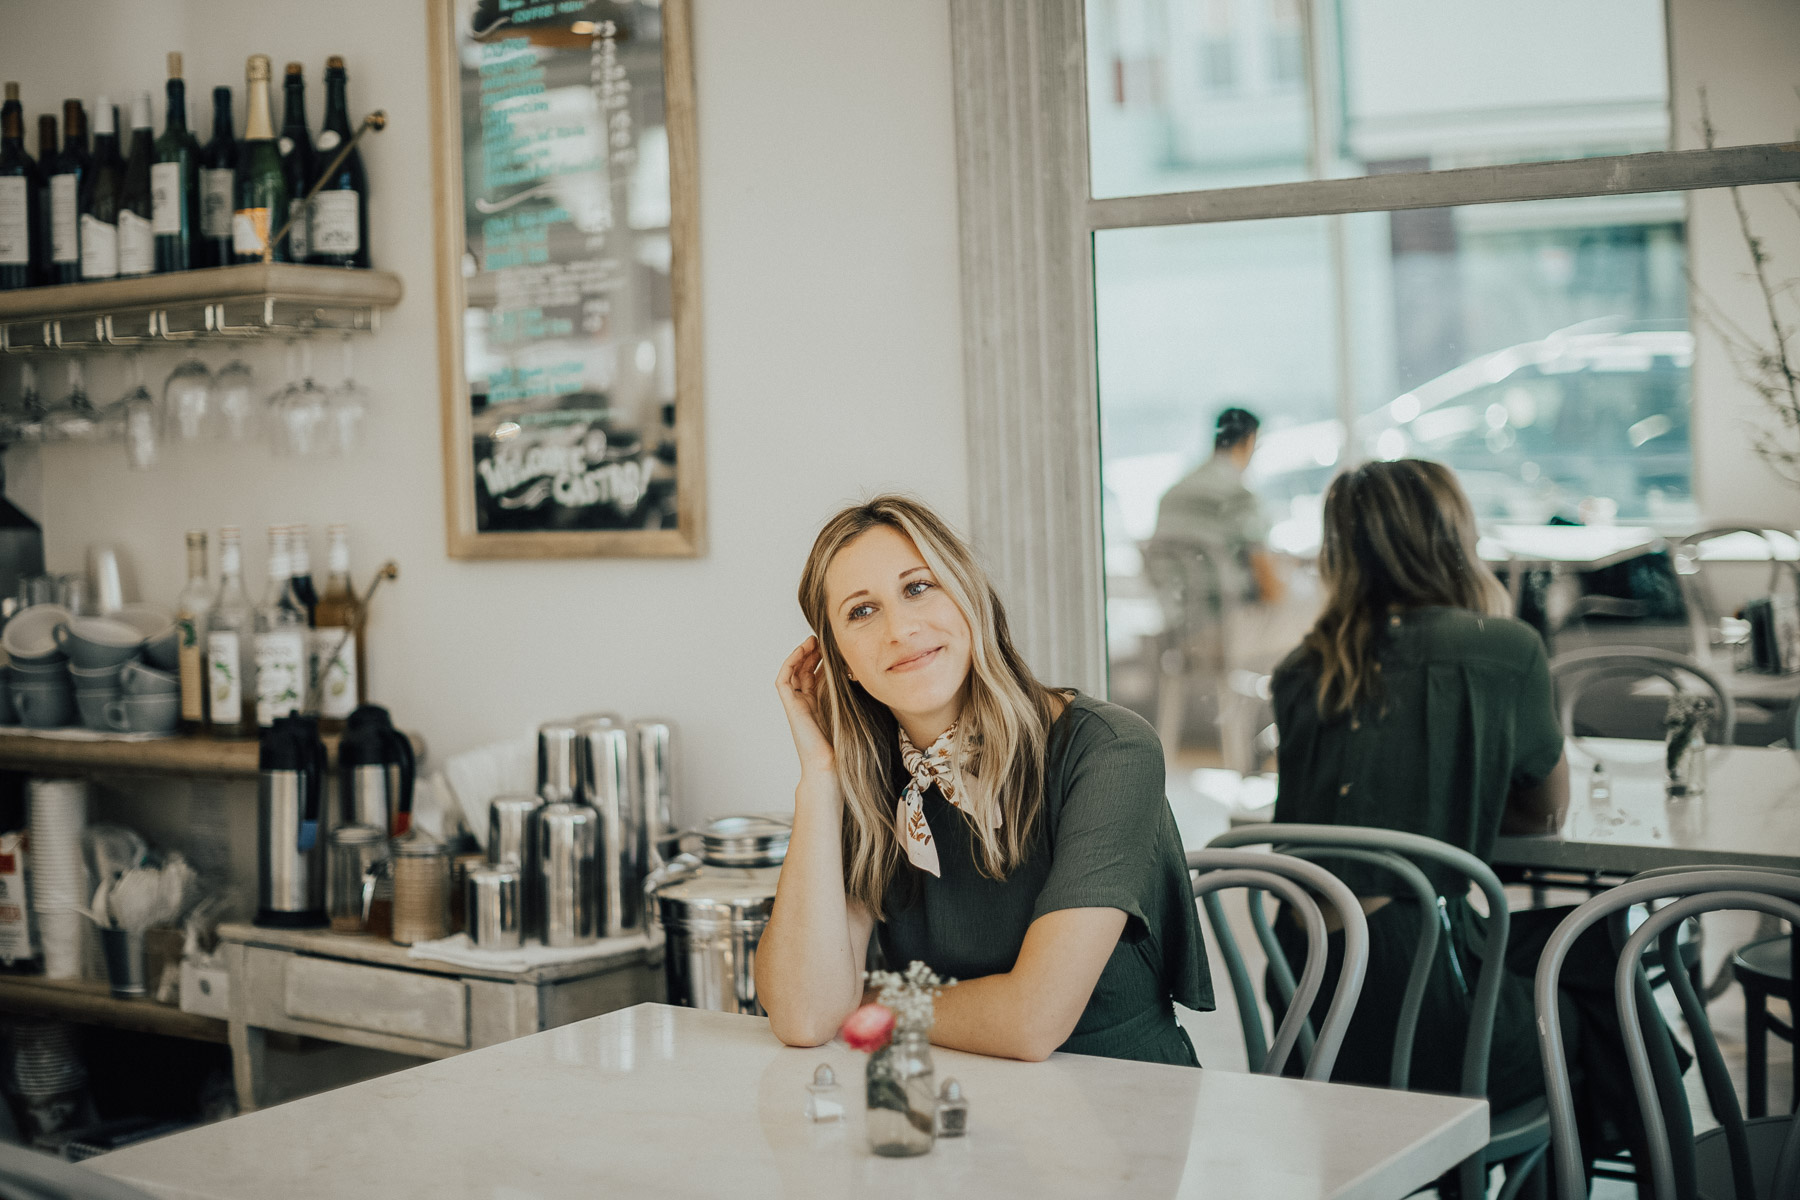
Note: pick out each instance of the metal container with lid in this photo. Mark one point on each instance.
(356, 853)
(745, 842)
(566, 862)
(603, 779)
(713, 924)
(421, 870)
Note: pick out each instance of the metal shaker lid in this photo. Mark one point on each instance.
(706, 898)
(356, 835)
(417, 845)
(556, 761)
(746, 842)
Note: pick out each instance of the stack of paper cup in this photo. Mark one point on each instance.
(59, 886)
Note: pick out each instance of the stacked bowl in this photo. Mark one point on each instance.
(112, 673)
(57, 817)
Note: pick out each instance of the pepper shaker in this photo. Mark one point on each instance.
(952, 1110)
(824, 1099)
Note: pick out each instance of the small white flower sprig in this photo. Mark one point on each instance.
(908, 996)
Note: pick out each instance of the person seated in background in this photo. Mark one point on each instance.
(1415, 704)
(1209, 511)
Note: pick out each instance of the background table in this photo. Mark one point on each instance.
(672, 1102)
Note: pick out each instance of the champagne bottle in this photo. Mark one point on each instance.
(19, 196)
(280, 639)
(100, 192)
(175, 181)
(191, 608)
(296, 162)
(230, 697)
(218, 185)
(340, 210)
(137, 237)
(262, 191)
(66, 178)
(338, 652)
(40, 234)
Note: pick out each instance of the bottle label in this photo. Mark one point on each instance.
(99, 248)
(166, 200)
(218, 189)
(137, 244)
(329, 139)
(299, 243)
(193, 669)
(15, 220)
(223, 668)
(337, 675)
(250, 231)
(280, 673)
(335, 228)
(65, 244)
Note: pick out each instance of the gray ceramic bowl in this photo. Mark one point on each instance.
(144, 714)
(45, 705)
(136, 679)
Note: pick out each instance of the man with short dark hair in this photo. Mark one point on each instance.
(1212, 511)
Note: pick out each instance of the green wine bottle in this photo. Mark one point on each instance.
(296, 162)
(100, 193)
(20, 196)
(175, 182)
(262, 192)
(218, 185)
(340, 209)
(40, 232)
(66, 175)
(137, 238)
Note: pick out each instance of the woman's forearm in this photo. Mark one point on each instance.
(808, 969)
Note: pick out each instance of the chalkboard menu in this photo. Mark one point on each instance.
(568, 286)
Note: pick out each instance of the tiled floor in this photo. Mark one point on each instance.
(1219, 1040)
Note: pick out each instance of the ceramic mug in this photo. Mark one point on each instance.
(30, 636)
(164, 650)
(44, 705)
(144, 714)
(136, 679)
(95, 642)
(92, 705)
(105, 679)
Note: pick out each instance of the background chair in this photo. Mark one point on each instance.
(1295, 881)
(1577, 671)
(1517, 1137)
(1758, 1159)
(1703, 608)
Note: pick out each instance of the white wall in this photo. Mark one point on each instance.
(1742, 53)
(828, 242)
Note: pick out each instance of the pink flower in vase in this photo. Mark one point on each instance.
(868, 1028)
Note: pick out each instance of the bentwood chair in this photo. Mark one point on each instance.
(1578, 670)
(1517, 1137)
(1295, 881)
(1757, 1159)
(1703, 608)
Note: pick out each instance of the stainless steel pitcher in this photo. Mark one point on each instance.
(603, 778)
(566, 837)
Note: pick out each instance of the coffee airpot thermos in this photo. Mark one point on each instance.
(290, 844)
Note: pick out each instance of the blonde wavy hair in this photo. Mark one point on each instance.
(1398, 535)
(1002, 730)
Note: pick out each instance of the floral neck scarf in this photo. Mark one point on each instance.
(937, 764)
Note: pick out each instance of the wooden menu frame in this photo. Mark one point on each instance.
(464, 537)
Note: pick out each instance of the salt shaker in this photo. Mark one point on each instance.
(952, 1110)
(824, 1099)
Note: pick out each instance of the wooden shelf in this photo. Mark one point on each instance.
(90, 1003)
(286, 281)
(201, 756)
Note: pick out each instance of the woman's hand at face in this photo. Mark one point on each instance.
(797, 683)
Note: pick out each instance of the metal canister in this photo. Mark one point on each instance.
(421, 869)
(653, 763)
(491, 899)
(567, 862)
(713, 925)
(746, 842)
(556, 761)
(603, 776)
(356, 851)
(510, 840)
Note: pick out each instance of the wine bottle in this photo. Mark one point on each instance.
(66, 177)
(340, 209)
(175, 181)
(100, 192)
(338, 653)
(296, 162)
(40, 234)
(137, 237)
(19, 196)
(280, 639)
(300, 559)
(262, 191)
(191, 608)
(230, 698)
(218, 185)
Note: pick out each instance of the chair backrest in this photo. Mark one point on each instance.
(1654, 1074)
(1297, 882)
(1400, 853)
(1575, 671)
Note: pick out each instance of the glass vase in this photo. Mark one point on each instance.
(902, 1097)
(1686, 759)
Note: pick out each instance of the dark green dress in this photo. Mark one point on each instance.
(1106, 840)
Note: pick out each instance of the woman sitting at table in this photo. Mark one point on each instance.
(1415, 704)
(1010, 835)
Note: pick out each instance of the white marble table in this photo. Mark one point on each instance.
(1750, 813)
(661, 1101)
(1572, 547)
